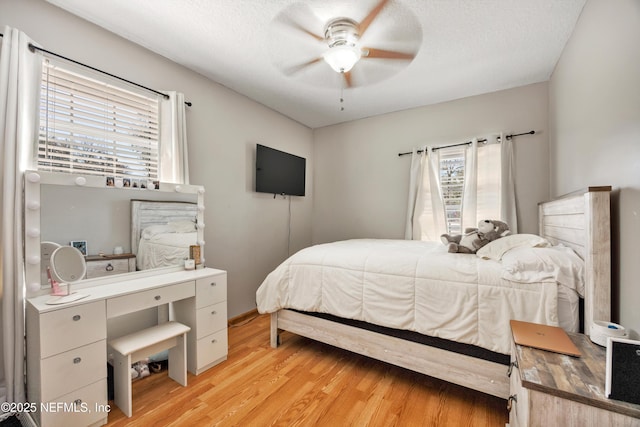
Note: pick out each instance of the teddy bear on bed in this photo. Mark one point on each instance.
(474, 238)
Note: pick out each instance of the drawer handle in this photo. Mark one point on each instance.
(77, 402)
(213, 283)
(157, 297)
(77, 360)
(214, 341)
(512, 365)
(512, 399)
(109, 267)
(214, 312)
(76, 317)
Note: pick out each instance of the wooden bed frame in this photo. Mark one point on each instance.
(580, 220)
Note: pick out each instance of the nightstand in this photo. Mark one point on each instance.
(105, 265)
(551, 389)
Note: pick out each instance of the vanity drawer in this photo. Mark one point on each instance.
(146, 299)
(73, 369)
(72, 327)
(211, 319)
(212, 348)
(90, 407)
(211, 290)
(107, 267)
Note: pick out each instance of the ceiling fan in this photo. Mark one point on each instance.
(342, 47)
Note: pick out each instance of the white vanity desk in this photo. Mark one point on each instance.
(67, 344)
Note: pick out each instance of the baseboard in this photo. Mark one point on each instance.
(242, 318)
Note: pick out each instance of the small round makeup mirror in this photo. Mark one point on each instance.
(46, 249)
(67, 266)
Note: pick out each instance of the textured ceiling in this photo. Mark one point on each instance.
(464, 48)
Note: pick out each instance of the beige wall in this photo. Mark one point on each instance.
(594, 118)
(246, 232)
(361, 184)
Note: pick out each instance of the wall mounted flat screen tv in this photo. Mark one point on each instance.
(278, 172)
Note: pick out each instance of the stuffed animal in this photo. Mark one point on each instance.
(501, 229)
(475, 238)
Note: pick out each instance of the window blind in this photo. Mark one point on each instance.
(93, 127)
(452, 171)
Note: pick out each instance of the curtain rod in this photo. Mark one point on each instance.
(33, 48)
(531, 132)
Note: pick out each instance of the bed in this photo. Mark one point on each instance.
(453, 348)
(162, 231)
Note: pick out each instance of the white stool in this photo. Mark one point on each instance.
(141, 344)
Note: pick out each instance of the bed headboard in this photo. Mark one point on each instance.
(145, 213)
(581, 220)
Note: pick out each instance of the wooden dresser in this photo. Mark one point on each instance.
(551, 389)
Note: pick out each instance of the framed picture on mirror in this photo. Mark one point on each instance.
(80, 245)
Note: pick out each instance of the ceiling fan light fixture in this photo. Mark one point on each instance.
(342, 37)
(342, 58)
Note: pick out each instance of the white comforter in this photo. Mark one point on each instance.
(410, 285)
(164, 249)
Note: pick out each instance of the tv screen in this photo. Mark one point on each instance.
(278, 172)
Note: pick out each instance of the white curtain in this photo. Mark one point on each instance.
(174, 159)
(508, 196)
(489, 191)
(19, 85)
(415, 186)
(469, 196)
(428, 216)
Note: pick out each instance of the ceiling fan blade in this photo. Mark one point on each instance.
(300, 18)
(364, 24)
(295, 68)
(347, 79)
(369, 52)
(304, 30)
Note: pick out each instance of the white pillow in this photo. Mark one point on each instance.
(497, 248)
(533, 265)
(153, 230)
(182, 226)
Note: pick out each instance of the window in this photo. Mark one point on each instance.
(452, 168)
(452, 188)
(97, 128)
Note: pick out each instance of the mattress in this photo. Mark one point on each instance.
(411, 285)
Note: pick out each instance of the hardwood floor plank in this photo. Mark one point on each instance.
(304, 383)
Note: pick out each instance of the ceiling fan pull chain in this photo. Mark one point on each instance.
(341, 98)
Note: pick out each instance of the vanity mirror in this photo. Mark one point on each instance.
(110, 220)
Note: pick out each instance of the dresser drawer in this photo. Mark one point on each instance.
(146, 299)
(212, 347)
(211, 290)
(211, 319)
(72, 327)
(107, 267)
(82, 407)
(73, 369)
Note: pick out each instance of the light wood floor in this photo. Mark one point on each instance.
(304, 383)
